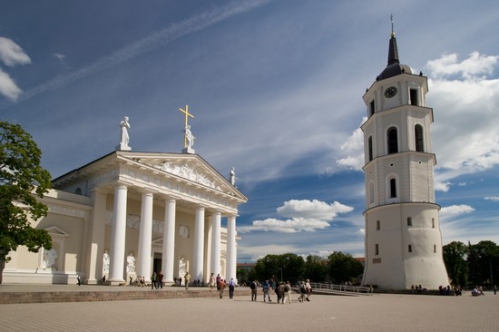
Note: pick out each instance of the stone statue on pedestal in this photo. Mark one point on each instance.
(125, 139)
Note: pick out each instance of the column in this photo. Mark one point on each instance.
(167, 262)
(145, 237)
(118, 236)
(231, 248)
(215, 242)
(197, 270)
(96, 240)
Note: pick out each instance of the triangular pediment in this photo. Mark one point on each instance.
(188, 167)
(54, 230)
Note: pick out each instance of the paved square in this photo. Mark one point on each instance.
(380, 312)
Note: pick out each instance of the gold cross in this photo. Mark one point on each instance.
(187, 115)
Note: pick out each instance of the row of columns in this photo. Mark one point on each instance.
(168, 259)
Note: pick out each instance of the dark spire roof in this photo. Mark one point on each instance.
(393, 67)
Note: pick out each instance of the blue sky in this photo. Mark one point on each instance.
(276, 90)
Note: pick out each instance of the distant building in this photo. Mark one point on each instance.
(403, 242)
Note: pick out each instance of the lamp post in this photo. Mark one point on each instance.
(281, 272)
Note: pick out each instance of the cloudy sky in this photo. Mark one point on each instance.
(276, 90)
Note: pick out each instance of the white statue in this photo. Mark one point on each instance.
(189, 137)
(105, 263)
(130, 263)
(49, 257)
(233, 176)
(125, 125)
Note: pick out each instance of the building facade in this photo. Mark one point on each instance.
(403, 242)
(129, 214)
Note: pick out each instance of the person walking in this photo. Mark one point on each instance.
(303, 292)
(160, 279)
(266, 289)
(309, 290)
(287, 293)
(232, 285)
(212, 282)
(187, 279)
(154, 280)
(221, 287)
(253, 290)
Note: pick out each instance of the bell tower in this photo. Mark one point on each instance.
(403, 242)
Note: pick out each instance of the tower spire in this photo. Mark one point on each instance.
(393, 53)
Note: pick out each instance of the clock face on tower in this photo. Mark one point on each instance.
(390, 92)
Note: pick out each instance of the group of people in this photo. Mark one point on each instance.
(157, 280)
(281, 289)
(221, 284)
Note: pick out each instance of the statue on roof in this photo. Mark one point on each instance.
(125, 139)
(232, 176)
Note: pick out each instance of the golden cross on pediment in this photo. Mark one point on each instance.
(187, 115)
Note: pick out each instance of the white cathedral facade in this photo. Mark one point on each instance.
(129, 214)
(403, 241)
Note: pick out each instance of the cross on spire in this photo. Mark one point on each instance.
(187, 115)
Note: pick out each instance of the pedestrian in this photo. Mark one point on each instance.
(309, 290)
(221, 287)
(212, 282)
(154, 280)
(266, 288)
(160, 279)
(218, 280)
(232, 285)
(280, 290)
(187, 279)
(495, 289)
(253, 290)
(303, 292)
(78, 280)
(287, 293)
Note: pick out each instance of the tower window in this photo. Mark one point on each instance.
(376, 249)
(409, 221)
(435, 248)
(378, 225)
(418, 133)
(372, 107)
(432, 222)
(393, 188)
(392, 140)
(414, 97)
(371, 193)
(370, 147)
(410, 248)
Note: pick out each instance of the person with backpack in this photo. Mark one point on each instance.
(303, 292)
(253, 290)
(287, 293)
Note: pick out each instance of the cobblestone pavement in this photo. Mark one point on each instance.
(381, 312)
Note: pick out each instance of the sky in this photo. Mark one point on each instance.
(275, 87)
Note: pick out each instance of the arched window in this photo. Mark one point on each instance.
(418, 134)
(370, 146)
(393, 188)
(392, 140)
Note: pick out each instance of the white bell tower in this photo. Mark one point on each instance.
(403, 242)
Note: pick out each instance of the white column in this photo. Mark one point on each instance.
(145, 237)
(215, 242)
(118, 236)
(197, 271)
(96, 237)
(231, 248)
(167, 262)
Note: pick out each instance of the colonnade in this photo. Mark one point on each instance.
(144, 268)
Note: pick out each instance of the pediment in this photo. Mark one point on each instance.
(54, 230)
(189, 167)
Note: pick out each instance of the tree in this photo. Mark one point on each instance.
(455, 254)
(22, 180)
(316, 268)
(343, 267)
(292, 267)
(486, 254)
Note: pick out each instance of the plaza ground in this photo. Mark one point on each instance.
(380, 312)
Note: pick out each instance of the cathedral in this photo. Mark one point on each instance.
(128, 214)
(403, 241)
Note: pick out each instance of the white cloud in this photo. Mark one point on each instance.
(305, 215)
(8, 87)
(475, 66)
(455, 210)
(353, 150)
(492, 198)
(12, 54)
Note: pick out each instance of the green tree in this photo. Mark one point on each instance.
(455, 254)
(290, 266)
(487, 254)
(343, 267)
(22, 179)
(316, 268)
